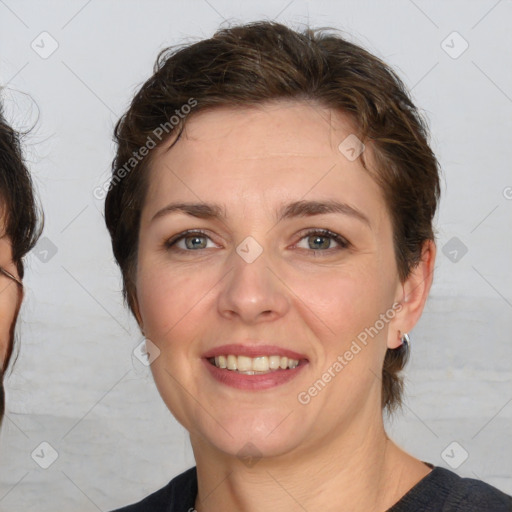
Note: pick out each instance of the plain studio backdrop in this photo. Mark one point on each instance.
(85, 428)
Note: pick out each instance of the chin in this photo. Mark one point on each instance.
(254, 435)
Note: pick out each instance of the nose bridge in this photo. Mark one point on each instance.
(252, 291)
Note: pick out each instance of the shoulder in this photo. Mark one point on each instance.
(444, 491)
(178, 495)
(469, 494)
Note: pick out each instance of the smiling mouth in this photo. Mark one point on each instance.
(254, 365)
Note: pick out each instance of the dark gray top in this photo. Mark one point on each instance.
(440, 491)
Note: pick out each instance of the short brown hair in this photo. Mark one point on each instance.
(264, 61)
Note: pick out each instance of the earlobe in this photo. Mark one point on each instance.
(395, 340)
(402, 338)
(414, 294)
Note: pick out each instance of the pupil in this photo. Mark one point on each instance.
(194, 242)
(318, 241)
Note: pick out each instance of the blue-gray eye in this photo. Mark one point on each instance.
(322, 240)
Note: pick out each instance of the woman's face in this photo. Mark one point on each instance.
(10, 296)
(263, 276)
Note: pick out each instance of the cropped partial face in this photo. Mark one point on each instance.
(265, 251)
(10, 296)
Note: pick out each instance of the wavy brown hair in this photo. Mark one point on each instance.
(264, 61)
(19, 215)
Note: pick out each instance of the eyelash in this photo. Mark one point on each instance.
(342, 242)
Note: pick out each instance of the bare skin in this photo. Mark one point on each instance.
(304, 293)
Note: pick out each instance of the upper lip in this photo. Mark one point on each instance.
(252, 351)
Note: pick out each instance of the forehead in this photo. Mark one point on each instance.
(261, 154)
(268, 129)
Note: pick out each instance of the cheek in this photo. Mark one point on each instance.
(328, 304)
(169, 300)
(345, 300)
(335, 303)
(341, 308)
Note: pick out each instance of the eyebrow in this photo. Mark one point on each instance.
(296, 209)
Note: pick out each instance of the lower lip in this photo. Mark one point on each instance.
(253, 382)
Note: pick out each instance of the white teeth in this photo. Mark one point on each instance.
(231, 363)
(273, 362)
(260, 364)
(252, 365)
(244, 364)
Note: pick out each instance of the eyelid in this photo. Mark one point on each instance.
(180, 236)
(342, 242)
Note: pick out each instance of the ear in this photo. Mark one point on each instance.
(412, 295)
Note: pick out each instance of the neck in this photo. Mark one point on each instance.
(358, 470)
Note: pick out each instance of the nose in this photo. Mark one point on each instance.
(252, 291)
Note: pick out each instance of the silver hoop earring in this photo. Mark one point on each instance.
(406, 342)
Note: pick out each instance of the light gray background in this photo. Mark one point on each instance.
(76, 384)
